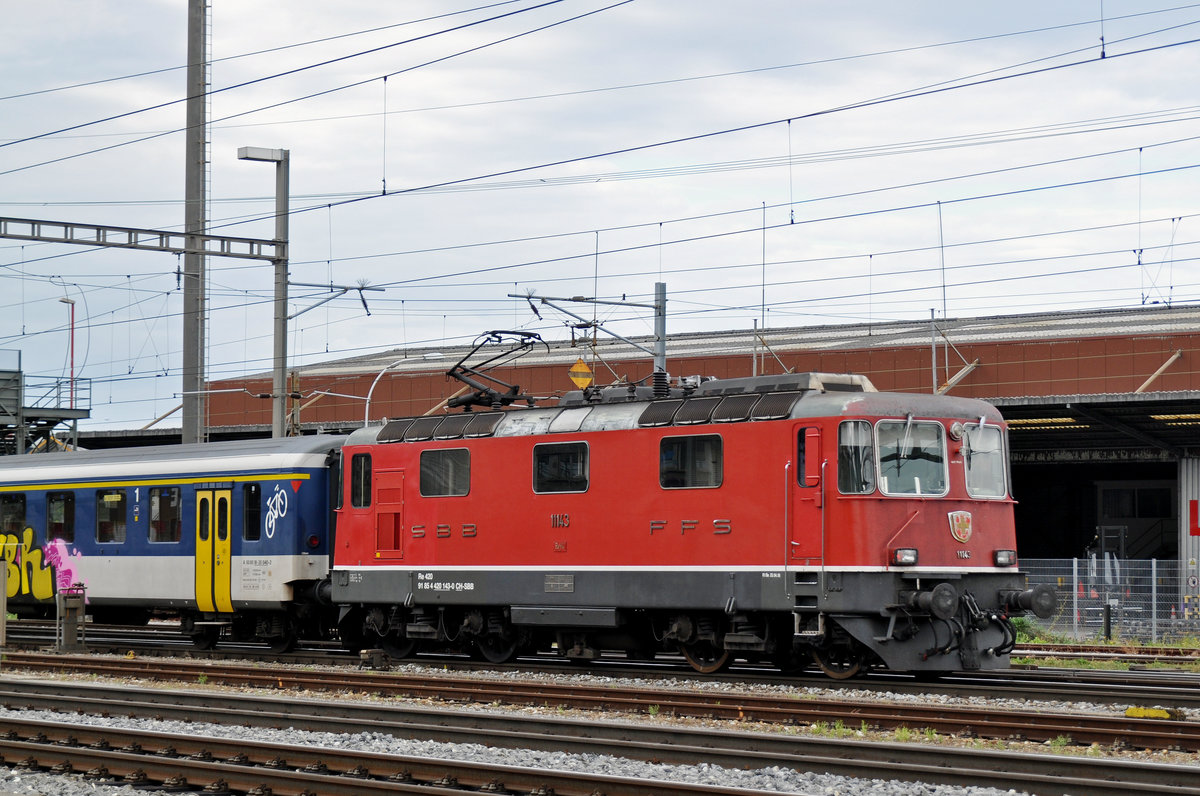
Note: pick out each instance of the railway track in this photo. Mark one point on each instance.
(1134, 687)
(203, 761)
(1137, 655)
(982, 722)
(179, 762)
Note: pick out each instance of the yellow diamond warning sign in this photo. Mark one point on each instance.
(580, 373)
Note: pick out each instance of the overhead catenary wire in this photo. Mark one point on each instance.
(268, 51)
(726, 307)
(312, 95)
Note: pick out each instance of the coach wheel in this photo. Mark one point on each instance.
(841, 662)
(283, 643)
(496, 648)
(206, 638)
(706, 657)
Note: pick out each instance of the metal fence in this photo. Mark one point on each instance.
(1146, 600)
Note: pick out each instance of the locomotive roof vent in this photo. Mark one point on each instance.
(618, 394)
(456, 426)
(789, 382)
(733, 408)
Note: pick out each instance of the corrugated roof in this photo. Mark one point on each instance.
(894, 334)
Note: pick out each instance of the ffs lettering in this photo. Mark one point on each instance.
(719, 527)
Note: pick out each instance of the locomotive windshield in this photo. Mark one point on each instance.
(912, 457)
(983, 452)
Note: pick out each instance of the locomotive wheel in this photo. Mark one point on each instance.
(397, 646)
(706, 657)
(840, 662)
(789, 661)
(496, 648)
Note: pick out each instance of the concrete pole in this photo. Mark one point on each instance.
(660, 327)
(195, 221)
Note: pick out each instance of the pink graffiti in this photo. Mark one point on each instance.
(58, 556)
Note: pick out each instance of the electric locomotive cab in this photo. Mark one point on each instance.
(916, 557)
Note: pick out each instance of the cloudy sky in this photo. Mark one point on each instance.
(788, 164)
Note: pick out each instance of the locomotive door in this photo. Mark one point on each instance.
(214, 554)
(389, 513)
(806, 488)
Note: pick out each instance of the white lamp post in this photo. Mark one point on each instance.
(281, 158)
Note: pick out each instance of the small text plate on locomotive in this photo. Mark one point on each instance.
(560, 584)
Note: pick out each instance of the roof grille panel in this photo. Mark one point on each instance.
(483, 424)
(659, 413)
(696, 410)
(421, 429)
(734, 408)
(452, 426)
(775, 405)
(394, 431)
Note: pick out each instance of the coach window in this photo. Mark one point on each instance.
(222, 518)
(445, 473)
(12, 513)
(60, 516)
(856, 458)
(560, 467)
(165, 513)
(110, 515)
(360, 480)
(251, 512)
(912, 457)
(690, 462)
(983, 452)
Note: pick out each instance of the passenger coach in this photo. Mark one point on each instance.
(232, 536)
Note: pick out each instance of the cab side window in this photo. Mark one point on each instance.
(856, 458)
(690, 462)
(360, 480)
(560, 467)
(445, 473)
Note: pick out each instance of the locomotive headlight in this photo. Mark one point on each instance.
(957, 429)
(314, 541)
(904, 556)
(1004, 558)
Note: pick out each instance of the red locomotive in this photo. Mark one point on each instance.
(788, 519)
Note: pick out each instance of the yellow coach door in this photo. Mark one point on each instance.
(213, 550)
